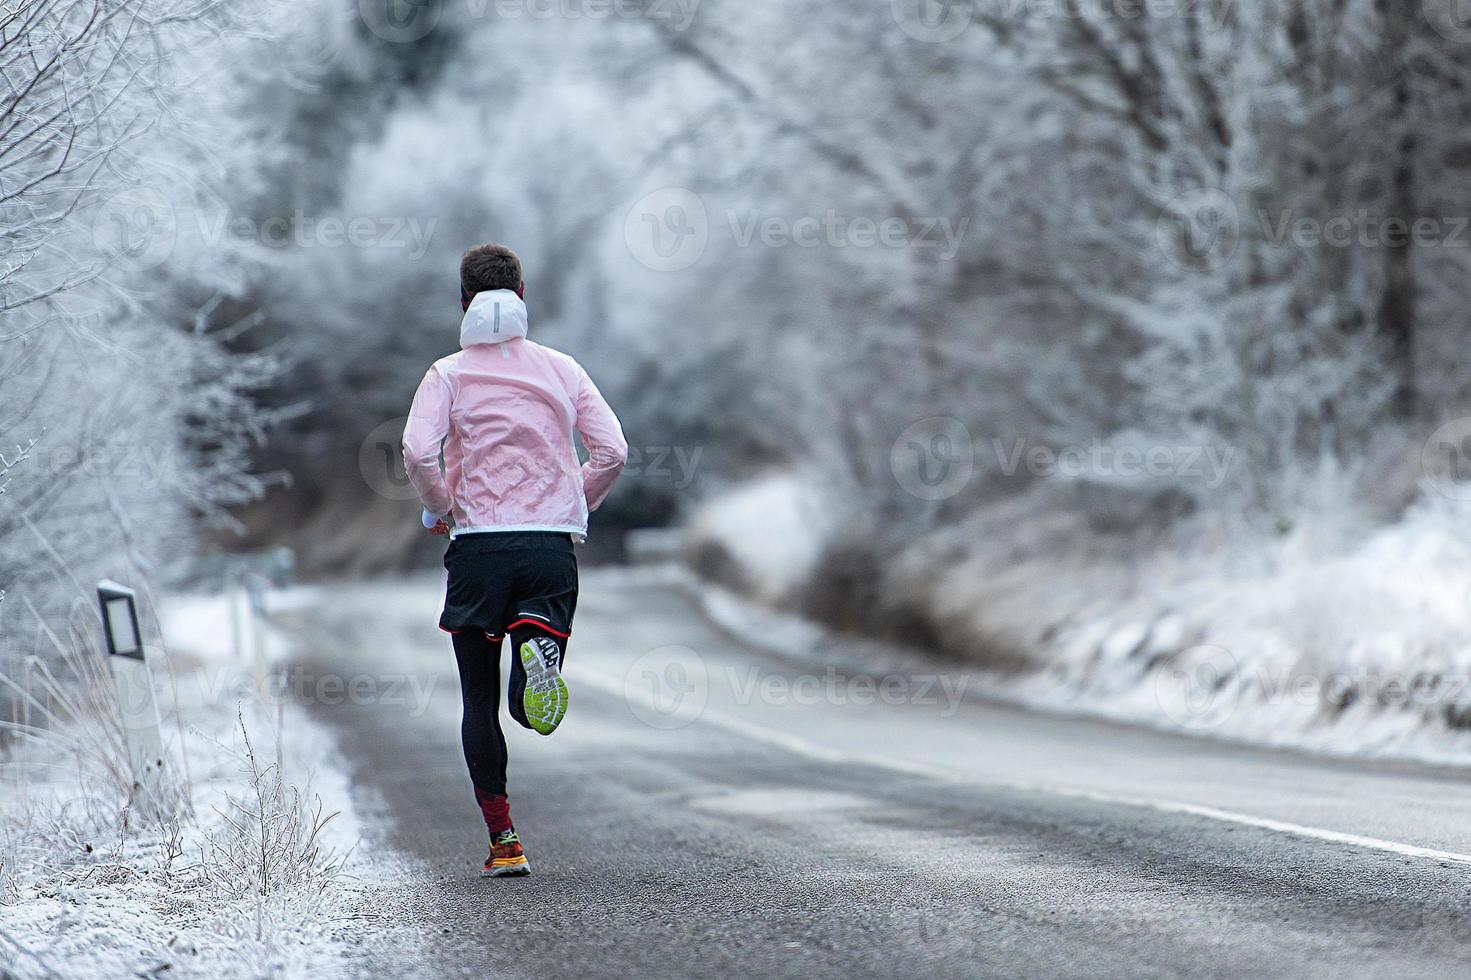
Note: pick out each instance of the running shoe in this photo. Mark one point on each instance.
(545, 697)
(507, 859)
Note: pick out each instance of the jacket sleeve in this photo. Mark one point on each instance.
(607, 449)
(423, 435)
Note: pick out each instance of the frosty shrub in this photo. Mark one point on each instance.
(269, 840)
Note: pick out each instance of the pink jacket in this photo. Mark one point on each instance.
(505, 409)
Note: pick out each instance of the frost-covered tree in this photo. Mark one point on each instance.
(1248, 179)
(117, 378)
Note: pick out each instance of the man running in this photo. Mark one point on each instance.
(513, 498)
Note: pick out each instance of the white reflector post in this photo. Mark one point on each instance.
(136, 702)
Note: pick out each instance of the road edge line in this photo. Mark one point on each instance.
(802, 746)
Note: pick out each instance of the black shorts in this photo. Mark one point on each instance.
(504, 579)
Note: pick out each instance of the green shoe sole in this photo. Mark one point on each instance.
(545, 698)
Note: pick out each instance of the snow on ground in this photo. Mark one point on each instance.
(1328, 638)
(243, 882)
(792, 527)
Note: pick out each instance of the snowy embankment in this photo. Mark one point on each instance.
(248, 870)
(1319, 639)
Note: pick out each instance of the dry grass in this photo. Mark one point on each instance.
(242, 876)
(73, 708)
(269, 838)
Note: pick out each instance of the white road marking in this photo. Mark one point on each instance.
(821, 753)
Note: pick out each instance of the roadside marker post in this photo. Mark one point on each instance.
(137, 705)
(237, 626)
(256, 613)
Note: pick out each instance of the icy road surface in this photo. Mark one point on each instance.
(708, 809)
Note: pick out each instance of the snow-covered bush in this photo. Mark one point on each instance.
(242, 877)
(270, 840)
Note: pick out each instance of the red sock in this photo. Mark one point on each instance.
(496, 810)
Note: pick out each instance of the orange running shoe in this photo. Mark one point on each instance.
(507, 859)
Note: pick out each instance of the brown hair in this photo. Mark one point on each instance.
(487, 267)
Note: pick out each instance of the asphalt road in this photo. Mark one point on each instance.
(708, 809)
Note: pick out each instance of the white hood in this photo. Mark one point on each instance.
(493, 318)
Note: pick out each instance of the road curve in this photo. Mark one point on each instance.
(709, 809)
